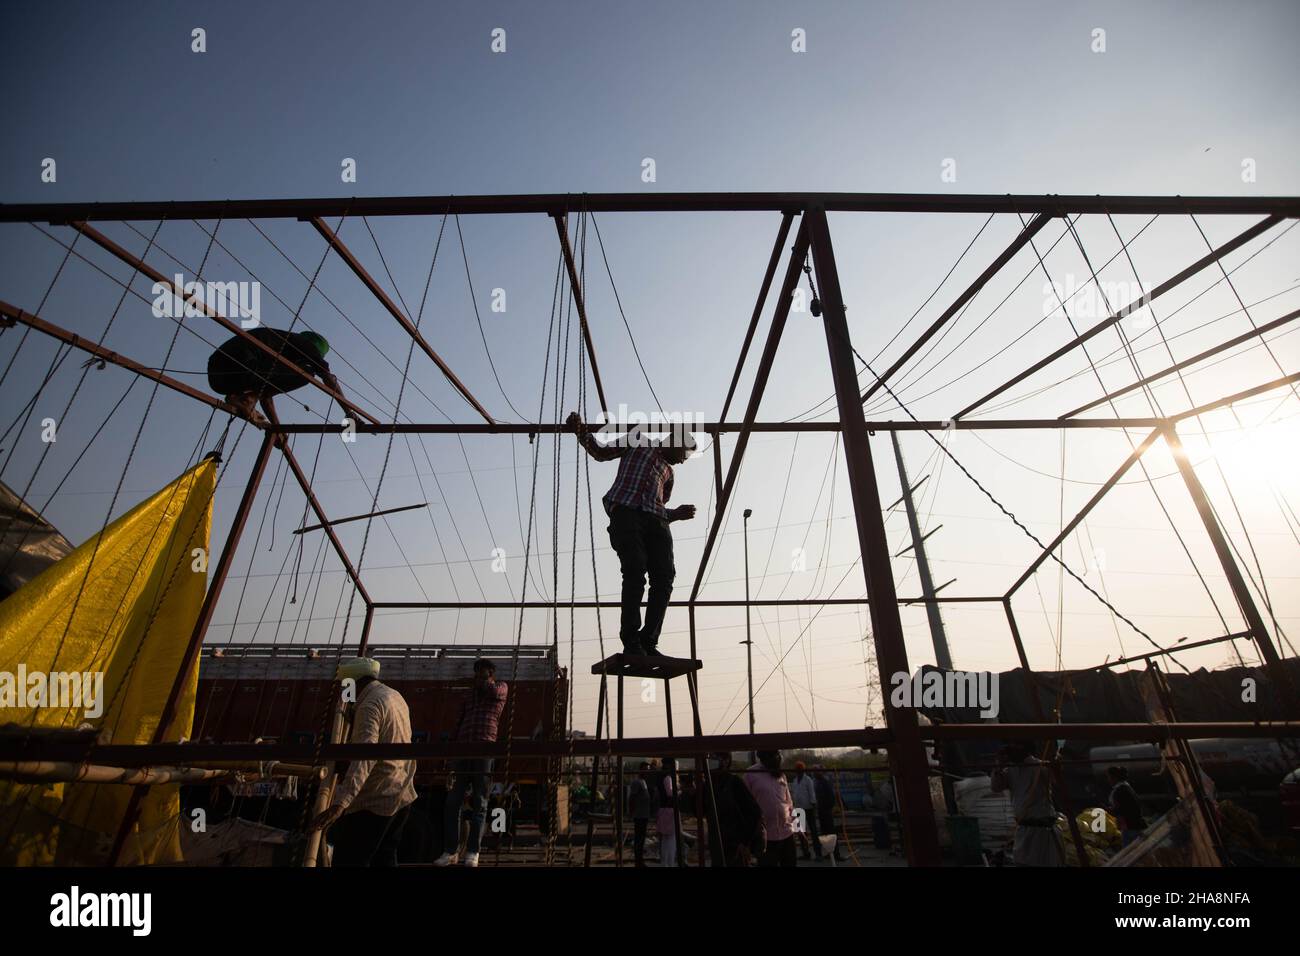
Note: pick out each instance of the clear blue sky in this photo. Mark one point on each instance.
(1013, 93)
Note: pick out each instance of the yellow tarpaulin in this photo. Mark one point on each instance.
(122, 606)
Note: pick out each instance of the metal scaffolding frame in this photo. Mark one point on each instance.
(902, 737)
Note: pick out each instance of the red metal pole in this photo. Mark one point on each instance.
(907, 754)
(1281, 679)
(316, 508)
(779, 317)
(365, 630)
(359, 270)
(562, 228)
(773, 261)
(106, 355)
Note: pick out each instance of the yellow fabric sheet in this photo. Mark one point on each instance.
(143, 588)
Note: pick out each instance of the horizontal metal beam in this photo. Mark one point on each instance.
(714, 428)
(1147, 733)
(128, 755)
(114, 358)
(139, 755)
(562, 203)
(587, 605)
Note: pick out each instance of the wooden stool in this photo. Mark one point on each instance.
(655, 668)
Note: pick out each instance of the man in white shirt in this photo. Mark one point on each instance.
(370, 805)
(1028, 780)
(804, 793)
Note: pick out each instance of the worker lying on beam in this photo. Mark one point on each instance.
(245, 374)
(638, 524)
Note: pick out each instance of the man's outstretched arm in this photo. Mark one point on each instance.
(593, 448)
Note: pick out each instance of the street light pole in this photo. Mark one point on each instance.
(749, 638)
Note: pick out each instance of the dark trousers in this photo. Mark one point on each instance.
(779, 853)
(471, 775)
(639, 826)
(644, 545)
(367, 839)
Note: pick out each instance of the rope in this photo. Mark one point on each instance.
(479, 319)
(623, 315)
(552, 332)
(39, 306)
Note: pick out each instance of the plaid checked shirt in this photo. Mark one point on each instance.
(644, 481)
(480, 714)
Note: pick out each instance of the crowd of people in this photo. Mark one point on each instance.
(762, 817)
(760, 813)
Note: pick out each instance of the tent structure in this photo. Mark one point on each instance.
(805, 231)
(105, 631)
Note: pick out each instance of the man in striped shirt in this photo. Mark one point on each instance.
(638, 525)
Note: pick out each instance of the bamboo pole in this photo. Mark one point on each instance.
(218, 771)
(324, 793)
(49, 770)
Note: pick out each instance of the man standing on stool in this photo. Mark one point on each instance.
(638, 525)
(480, 718)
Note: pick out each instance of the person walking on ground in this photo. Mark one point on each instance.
(639, 525)
(665, 818)
(1028, 780)
(479, 721)
(826, 808)
(370, 806)
(804, 793)
(766, 781)
(639, 807)
(737, 838)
